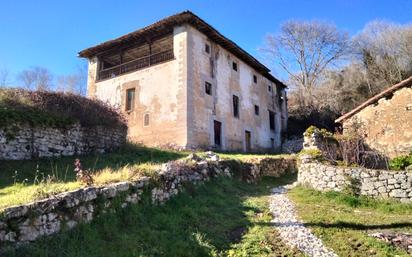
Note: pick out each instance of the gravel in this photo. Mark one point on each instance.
(292, 231)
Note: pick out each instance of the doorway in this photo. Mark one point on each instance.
(248, 145)
(217, 133)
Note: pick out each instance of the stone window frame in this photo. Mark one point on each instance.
(130, 106)
(126, 86)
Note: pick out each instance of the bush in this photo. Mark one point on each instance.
(316, 154)
(401, 162)
(40, 108)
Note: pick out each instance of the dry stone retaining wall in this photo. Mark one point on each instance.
(369, 182)
(26, 223)
(25, 142)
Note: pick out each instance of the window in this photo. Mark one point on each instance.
(270, 88)
(234, 66)
(235, 106)
(256, 110)
(207, 48)
(130, 93)
(254, 79)
(146, 119)
(208, 88)
(272, 120)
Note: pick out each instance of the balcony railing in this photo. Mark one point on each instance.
(137, 64)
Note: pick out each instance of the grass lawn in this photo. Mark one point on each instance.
(25, 181)
(223, 217)
(343, 221)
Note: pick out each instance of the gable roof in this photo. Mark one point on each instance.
(387, 92)
(165, 25)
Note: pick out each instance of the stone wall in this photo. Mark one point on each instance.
(25, 142)
(64, 211)
(375, 183)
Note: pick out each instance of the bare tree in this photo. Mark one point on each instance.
(385, 48)
(73, 83)
(36, 78)
(4, 77)
(68, 83)
(305, 50)
(82, 72)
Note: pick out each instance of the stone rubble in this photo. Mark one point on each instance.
(292, 231)
(402, 240)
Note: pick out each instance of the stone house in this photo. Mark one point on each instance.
(385, 120)
(182, 84)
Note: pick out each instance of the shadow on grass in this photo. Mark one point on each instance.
(344, 225)
(62, 168)
(202, 222)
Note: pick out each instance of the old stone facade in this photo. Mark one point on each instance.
(26, 223)
(25, 142)
(195, 89)
(385, 120)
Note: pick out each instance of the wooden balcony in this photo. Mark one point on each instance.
(137, 64)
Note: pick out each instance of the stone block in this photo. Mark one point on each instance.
(15, 212)
(392, 181)
(398, 193)
(109, 192)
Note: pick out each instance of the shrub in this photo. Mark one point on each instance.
(401, 162)
(310, 130)
(83, 176)
(314, 153)
(42, 108)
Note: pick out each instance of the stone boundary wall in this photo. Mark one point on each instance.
(375, 183)
(22, 142)
(26, 223)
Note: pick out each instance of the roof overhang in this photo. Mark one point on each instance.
(165, 26)
(387, 92)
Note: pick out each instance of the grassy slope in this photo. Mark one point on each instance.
(343, 221)
(223, 217)
(25, 181)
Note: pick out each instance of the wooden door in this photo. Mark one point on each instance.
(218, 133)
(248, 144)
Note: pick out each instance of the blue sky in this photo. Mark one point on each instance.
(50, 33)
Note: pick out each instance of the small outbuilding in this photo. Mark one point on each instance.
(385, 120)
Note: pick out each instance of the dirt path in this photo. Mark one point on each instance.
(292, 231)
